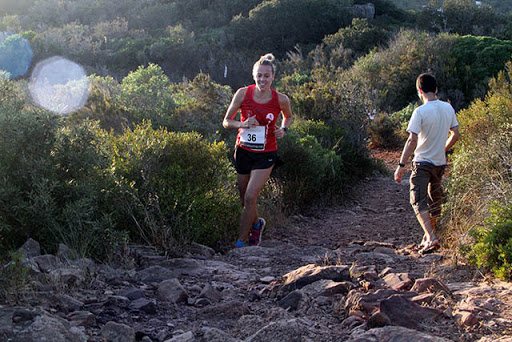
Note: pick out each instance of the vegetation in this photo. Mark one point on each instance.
(493, 243)
(481, 180)
(146, 159)
(13, 277)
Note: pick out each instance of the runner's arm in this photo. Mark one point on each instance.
(233, 108)
(286, 109)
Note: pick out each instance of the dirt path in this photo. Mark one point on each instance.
(380, 212)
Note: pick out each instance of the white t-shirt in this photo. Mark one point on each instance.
(432, 122)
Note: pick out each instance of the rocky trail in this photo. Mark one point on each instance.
(347, 273)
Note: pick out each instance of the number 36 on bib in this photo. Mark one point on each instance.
(253, 138)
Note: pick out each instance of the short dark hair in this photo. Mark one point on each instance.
(427, 83)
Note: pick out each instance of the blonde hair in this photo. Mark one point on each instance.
(267, 59)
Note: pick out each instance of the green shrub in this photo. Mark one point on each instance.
(201, 105)
(493, 243)
(328, 137)
(176, 187)
(11, 93)
(15, 55)
(299, 25)
(310, 173)
(104, 104)
(146, 94)
(403, 117)
(352, 42)
(13, 276)
(53, 187)
(391, 73)
(472, 61)
(481, 172)
(383, 131)
(338, 99)
(27, 206)
(87, 221)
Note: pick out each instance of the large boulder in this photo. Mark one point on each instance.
(309, 274)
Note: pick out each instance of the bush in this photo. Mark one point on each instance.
(473, 61)
(390, 74)
(103, 105)
(352, 42)
(201, 105)
(328, 137)
(482, 163)
(310, 174)
(383, 130)
(87, 219)
(13, 277)
(52, 184)
(176, 188)
(146, 94)
(28, 176)
(338, 99)
(493, 243)
(289, 22)
(15, 55)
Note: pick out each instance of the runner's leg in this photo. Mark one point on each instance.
(242, 182)
(256, 182)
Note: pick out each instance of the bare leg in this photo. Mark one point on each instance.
(242, 182)
(256, 182)
(433, 221)
(425, 222)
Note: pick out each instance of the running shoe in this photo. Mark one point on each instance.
(240, 244)
(255, 236)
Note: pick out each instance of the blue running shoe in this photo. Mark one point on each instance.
(255, 236)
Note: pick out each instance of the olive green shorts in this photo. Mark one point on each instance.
(426, 191)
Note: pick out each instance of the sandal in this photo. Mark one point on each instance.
(416, 247)
(430, 246)
(423, 242)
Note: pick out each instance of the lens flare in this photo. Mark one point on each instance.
(59, 85)
(15, 54)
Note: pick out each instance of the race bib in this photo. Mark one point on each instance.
(253, 138)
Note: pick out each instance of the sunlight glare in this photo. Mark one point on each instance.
(59, 85)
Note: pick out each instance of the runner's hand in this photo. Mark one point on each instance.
(279, 133)
(250, 122)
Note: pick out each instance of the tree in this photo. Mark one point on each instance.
(355, 40)
(146, 94)
(289, 22)
(473, 61)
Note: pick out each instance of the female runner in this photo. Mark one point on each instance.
(256, 143)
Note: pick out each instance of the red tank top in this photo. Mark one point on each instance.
(266, 114)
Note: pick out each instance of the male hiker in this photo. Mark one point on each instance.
(433, 130)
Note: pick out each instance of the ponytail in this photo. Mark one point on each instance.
(267, 59)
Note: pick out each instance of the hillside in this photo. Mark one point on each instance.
(504, 6)
(117, 175)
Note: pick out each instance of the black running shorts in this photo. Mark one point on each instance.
(246, 161)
